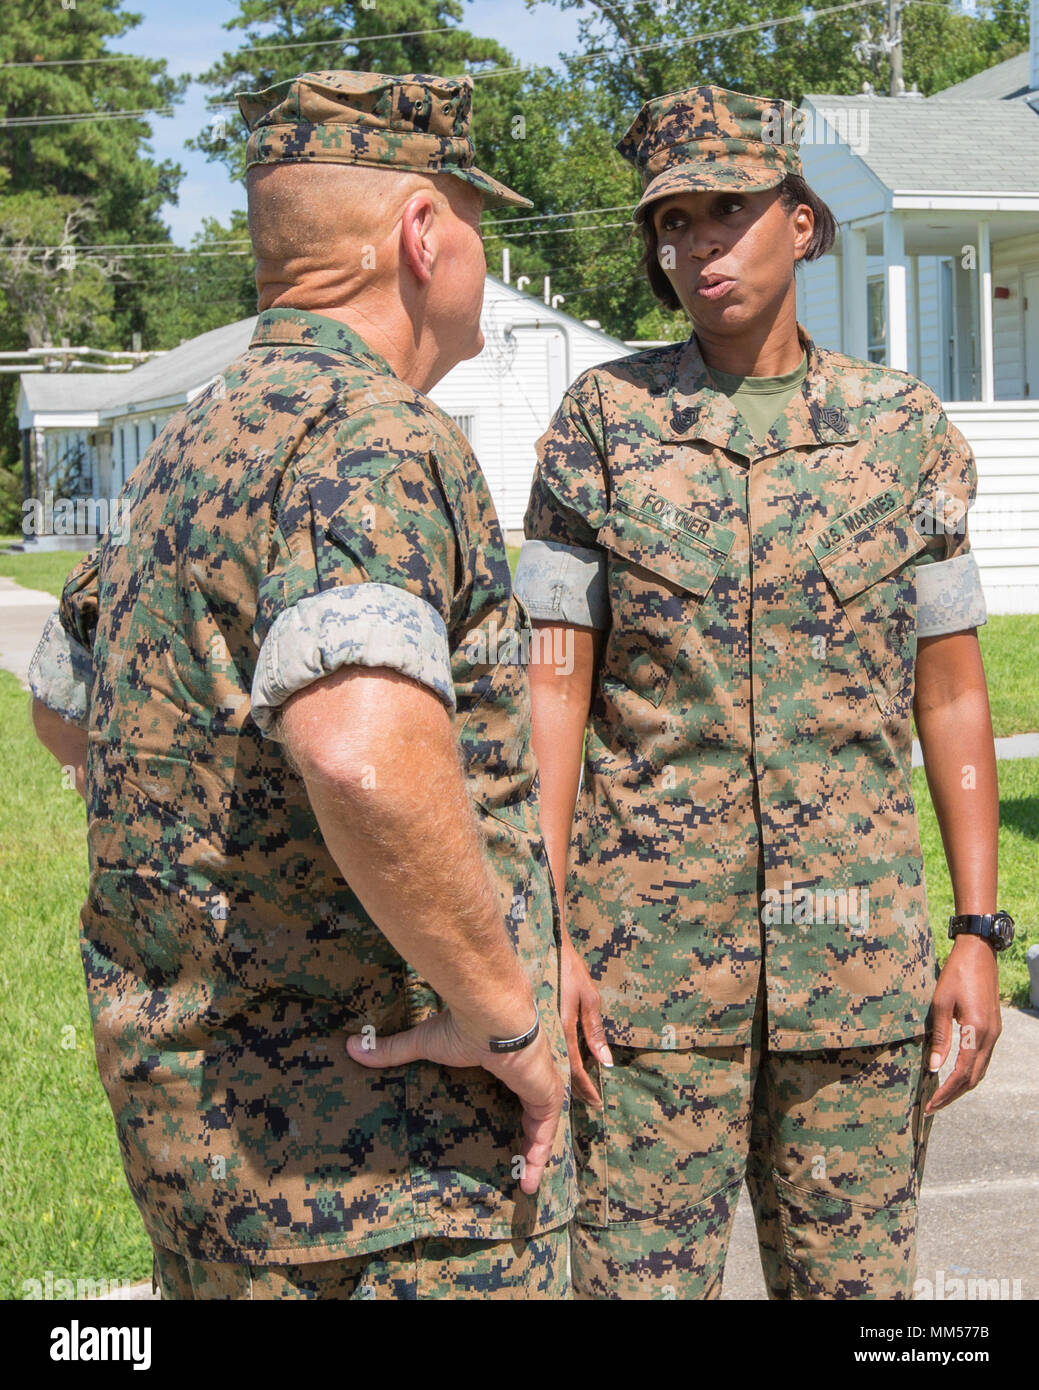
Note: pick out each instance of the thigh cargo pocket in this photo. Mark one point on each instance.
(658, 577)
(672, 1134)
(872, 577)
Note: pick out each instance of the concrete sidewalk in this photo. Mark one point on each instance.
(979, 1207)
(23, 613)
(1016, 746)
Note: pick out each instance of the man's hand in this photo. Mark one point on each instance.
(968, 991)
(580, 1002)
(452, 1041)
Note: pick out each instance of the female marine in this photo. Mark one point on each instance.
(758, 550)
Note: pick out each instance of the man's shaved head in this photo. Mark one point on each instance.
(396, 255)
(318, 229)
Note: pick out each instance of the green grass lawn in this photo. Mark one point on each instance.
(66, 1207)
(1007, 642)
(1008, 645)
(46, 570)
(1018, 881)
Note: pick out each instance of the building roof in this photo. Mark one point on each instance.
(53, 392)
(179, 372)
(1006, 81)
(537, 309)
(981, 146)
(183, 370)
(177, 375)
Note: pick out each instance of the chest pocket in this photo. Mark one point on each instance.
(874, 582)
(657, 578)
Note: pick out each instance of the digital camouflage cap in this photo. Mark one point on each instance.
(413, 122)
(711, 138)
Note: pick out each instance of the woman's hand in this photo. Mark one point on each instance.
(955, 728)
(580, 1004)
(968, 991)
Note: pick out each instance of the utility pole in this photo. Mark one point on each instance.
(889, 42)
(894, 37)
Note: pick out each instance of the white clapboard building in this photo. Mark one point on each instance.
(936, 272)
(83, 434)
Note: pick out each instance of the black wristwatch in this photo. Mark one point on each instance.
(997, 928)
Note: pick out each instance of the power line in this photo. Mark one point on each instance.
(756, 26)
(544, 216)
(81, 62)
(402, 34)
(166, 255)
(556, 231)
(115, 246)
(656, 5)
(148, 250)
(127, 245)
(963, 14)
(20, 122)
(257, 48)
(142, 255)
(677, 42)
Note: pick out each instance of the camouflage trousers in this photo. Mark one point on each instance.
(534, 1267)
(831, 1145)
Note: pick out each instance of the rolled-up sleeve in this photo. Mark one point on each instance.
(562, 583)
(561, 575)
(949, 596)
(949, 592)
(355, 625)
(61, 673)
(361, 573)
(568, 496)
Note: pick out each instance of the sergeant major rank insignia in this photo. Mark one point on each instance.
(831, 416)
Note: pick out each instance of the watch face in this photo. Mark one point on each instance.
(1003, 930)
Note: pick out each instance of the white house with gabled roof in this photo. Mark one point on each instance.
(89, 432)
(936, 272)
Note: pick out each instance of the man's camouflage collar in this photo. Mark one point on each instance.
(300, 328)
(697, 410)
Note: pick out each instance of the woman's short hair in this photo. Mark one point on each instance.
(792, 191)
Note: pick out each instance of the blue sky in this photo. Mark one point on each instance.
(189, 34)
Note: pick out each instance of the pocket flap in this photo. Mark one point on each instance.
(686, 560)
(869, 556)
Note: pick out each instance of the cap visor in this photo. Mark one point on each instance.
(496, 195)
(705, 175)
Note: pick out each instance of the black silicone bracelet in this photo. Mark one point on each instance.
(517, 1044)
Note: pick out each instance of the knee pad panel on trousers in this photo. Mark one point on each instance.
(837, 1249)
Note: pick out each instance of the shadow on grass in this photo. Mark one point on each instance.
(1021, 815)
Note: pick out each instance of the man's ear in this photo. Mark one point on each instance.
(417, 236)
